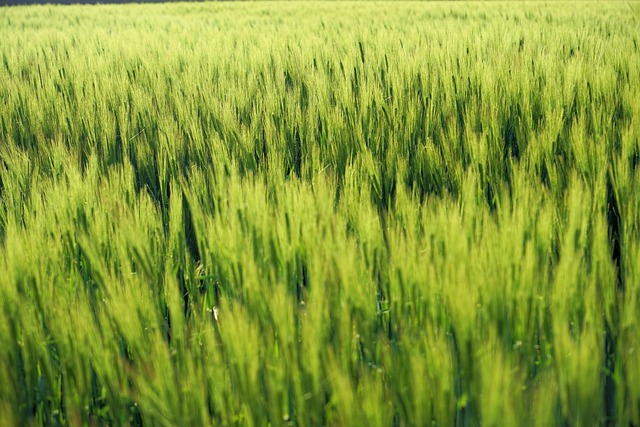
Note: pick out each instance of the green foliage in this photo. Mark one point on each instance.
(320, 214)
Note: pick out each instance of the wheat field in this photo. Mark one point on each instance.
(320, 213)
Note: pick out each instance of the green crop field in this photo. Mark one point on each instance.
(301, 214)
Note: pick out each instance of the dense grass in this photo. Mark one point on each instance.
(320, 214)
